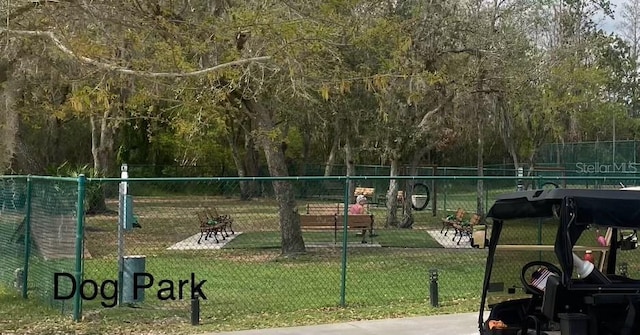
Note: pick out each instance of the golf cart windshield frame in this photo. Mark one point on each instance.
(575, 210)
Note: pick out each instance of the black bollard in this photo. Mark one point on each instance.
(433, 287)
(195, 309)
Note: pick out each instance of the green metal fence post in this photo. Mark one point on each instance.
(539, 231)
(444, 200)
(343, 278)
(27, 241)
(486, 198)
(434, 192)
(77, 301)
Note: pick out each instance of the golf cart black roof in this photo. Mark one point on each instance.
(611, 208)
(575, 210)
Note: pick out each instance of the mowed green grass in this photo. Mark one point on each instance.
(254, 282)
(247, 289)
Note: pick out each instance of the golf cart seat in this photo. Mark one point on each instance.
(542, 314)
(553, 294)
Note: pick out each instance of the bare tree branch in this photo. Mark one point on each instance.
(425, 119)
(424, 123)
(121, 69)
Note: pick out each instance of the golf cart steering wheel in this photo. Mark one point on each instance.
(526, 282)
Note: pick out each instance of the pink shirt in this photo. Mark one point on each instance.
(356, 209)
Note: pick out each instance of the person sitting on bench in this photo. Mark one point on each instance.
(358, 207)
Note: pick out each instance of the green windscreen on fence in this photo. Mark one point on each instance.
(53, 238)
(599, 152)
(12, 250)
(38, 218)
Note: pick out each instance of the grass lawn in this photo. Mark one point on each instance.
(30, 317)
(251, 289)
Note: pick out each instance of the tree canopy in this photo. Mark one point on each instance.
(243, 87)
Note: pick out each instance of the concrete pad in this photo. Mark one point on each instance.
(458, 324)
(191, 242)
(446, 242)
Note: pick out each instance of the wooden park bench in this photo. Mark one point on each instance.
(366, 191)
(449, 221)
(213, 214)
(336, 208)
(466, 228)
(323, 217)
(319, 209)
(212, 223)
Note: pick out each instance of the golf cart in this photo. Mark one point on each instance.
(538, 278)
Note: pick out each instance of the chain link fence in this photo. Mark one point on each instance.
(601, 152)
(38, 236)
(244, 273)
(12, 240)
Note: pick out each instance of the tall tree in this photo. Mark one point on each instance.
(629, 25)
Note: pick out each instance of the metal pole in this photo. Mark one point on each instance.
(27, 240)
(434, 192)
(77, 305)
(486, 200)
(444, 202)
(343, 277)
(124, 174)
(195, 309)
(433, 287)
(539, 237)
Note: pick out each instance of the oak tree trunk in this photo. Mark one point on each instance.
(232, 139)
(408, 219)
(480, 185)
(334, 149)
(306, 153)
(102, 139)
(351, 168)
(251, 163)
(291, 234)
(245, 160)
(392, 194)
(8, 120)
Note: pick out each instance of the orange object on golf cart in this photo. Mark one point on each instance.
(538, 288)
